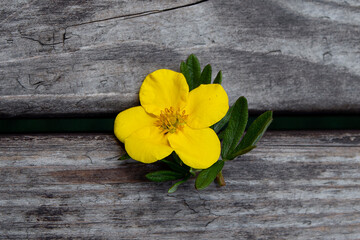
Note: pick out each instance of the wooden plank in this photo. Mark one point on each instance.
(90, 57)
(295, 185)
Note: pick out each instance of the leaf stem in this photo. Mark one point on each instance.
(220, 179)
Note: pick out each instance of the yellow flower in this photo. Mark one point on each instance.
(171, 118)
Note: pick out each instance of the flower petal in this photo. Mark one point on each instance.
(147, 145)
(207, 105)
(131, 120)
(163, 89)
(197, 148)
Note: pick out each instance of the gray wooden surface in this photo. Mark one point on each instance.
(295, 185)
(90, 57)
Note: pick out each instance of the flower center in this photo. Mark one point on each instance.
(170, 121)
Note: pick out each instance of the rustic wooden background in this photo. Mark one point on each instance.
(88, 58)
(295, 185)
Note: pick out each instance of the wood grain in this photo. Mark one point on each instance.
(295, 185)
(90, 57)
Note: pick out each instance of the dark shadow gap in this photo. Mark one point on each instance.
(105, 125)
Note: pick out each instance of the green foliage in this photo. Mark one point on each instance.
(176, 158)
(221, 124)
(179, 170)
(194, 76)
(205, 77)
(207, 176)
(173, 165)
(176, 185)
(253, 134)
(235, 128)
(241, 152)
(185, 71)
(194, 72)
(163, 176)
(218, 78)
(125, 156)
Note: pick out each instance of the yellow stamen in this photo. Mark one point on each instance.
(170, 121)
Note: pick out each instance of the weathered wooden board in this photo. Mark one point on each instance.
(295, 185)
(90, 57)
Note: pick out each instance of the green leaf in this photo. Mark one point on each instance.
(221, 124)
(208, 175)
(176, 167)
(205, 77)
(255, 131)
(163, 176)
(124, 157)
(185, 71)
(221, 135)
(178, 160)
(194, 71)
(242, 152)
(218, 78)
(235, 128)
(176, 185)
(193, 171)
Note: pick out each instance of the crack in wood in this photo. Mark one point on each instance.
(64, 38)
(211, 221)
(189, 207)
(139, 14)
(17, 79)
(40, 42)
